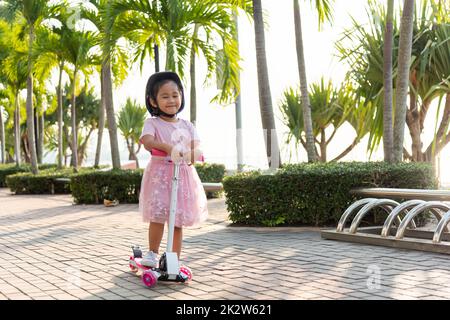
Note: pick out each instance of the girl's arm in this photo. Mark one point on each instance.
(195, 154)
(149, 143)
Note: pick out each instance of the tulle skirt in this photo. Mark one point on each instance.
(156, 186)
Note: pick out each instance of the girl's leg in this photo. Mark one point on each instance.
(155, 234)
(177, 240)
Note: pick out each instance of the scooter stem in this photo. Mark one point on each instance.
(173, 206)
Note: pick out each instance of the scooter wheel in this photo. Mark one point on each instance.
(149, 278)
(187, 272)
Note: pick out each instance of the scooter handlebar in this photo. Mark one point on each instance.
(157, 152)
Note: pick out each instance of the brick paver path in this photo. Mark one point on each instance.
(52, 249)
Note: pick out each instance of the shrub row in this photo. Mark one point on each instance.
(125, 185)
(94, 186)
(11, 168)
(45, 182)
(314, 194)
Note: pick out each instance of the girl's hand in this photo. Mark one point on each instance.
(192, 156)
(176, 153)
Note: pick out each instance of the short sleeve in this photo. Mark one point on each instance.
(149, 129)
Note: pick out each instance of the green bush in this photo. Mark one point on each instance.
(42, 183)
(11, 168)
(94, 186)
(314, 194)
(124, 185)
(211, 172)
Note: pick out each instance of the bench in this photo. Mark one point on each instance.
(64, 180)
(394, 193)
(211, 186)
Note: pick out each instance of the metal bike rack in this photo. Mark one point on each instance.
(396, 232)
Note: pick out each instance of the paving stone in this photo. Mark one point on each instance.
(65, 251)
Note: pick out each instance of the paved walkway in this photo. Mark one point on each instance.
(52, 249)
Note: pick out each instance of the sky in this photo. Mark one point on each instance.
(216, 124)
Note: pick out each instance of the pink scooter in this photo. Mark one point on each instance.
(169, 268)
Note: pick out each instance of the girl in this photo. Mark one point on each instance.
(169, 139)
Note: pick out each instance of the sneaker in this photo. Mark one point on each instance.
(150, 260)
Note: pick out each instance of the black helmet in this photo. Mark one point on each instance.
(150, 91)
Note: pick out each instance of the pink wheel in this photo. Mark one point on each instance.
(149, 278)
(187, 272)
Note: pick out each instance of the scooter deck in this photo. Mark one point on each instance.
(137, 263)
(151, 275)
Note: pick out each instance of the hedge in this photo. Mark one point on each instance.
(124, 185)
(115, 184)
(11, 168)
(42, 183)
(314, 194)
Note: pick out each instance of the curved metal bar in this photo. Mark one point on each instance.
(355, 205)
(438, 215)
(386, 204)
(440, 227)
(419, 209)
(405, 206)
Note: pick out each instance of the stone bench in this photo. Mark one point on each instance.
(394, 193)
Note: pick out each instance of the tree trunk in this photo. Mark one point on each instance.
(66, 133)
(323, 146)
(306, 107)
(239, 145)
(413, 122)
(82, 148)
(402, 84)
(193, 97)
(101, 120)
(40, 136)
(60, 118)
(442, 137)
(388, 133)
(2, 136)
(156, 53)
(265, 98)
(30, 122)
(17, 129)
(74, 124)
(26, 149)
(37, 121)
(111, 117)
(347, 150)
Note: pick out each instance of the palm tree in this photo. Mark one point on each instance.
(83, 59)
(265, 98)
(402, 84)
(178, 24)
(13, 73)
(388, 134)
(131, 122)
(51, 47)
(331, 107)
(429, 73)
(324, 10)
(34, 12)
(114, 61)
(226, 60)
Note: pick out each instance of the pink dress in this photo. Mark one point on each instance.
(156, 186)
